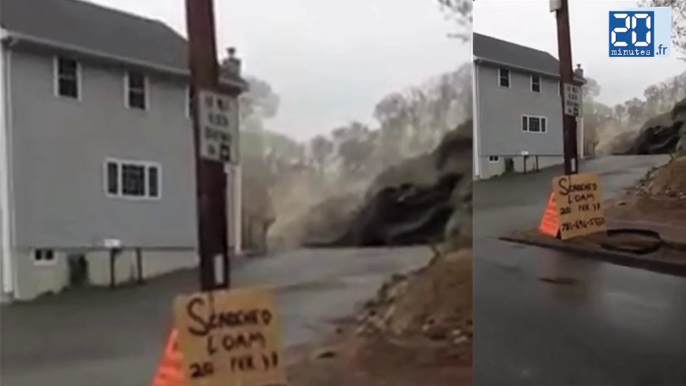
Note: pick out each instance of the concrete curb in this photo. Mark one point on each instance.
(619, 258)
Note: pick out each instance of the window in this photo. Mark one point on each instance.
(136, 92)
(535, 83)
(493, 159)
(132, 179)
(559, 88)
(44, 256)
(533, 124)
(153, 182)
(67, 78)
(112, 178)
(504, 77)
(189, 101)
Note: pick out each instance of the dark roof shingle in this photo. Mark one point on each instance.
(501, 51)
(92, 27)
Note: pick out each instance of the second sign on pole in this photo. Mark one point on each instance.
(218, 119)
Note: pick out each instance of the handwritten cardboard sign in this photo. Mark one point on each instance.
(230, 338)
(579, 205)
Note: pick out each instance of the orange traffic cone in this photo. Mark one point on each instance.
(550, 224)
(170, 371)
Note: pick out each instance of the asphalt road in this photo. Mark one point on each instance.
(108, 338)
(615, 326)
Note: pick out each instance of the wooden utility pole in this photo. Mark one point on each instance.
(564, 47)
(210, 176)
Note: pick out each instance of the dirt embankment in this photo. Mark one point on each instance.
(433, 303)
(417, 331)
(658, 198)
(667, 182)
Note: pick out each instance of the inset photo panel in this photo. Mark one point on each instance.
(579, 192)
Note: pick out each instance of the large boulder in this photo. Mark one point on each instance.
(422, 200)
(418, 170)
(663, 134)
(452, 155)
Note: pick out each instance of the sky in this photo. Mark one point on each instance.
(530, 23)
(329, 61)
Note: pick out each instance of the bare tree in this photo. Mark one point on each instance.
(355, 153)
(321, 148)
(679, 20)
(260, 100)
(461, 12)
(591, 89)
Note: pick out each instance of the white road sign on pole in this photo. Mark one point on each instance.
(572, 97)
(218, 117)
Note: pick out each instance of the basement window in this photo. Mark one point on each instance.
(43, 257)
(493, 159)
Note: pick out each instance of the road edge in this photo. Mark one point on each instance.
(619, 258)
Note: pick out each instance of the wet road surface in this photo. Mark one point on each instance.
(108, 338)
(612, 325)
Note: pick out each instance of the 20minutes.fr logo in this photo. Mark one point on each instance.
(643, 33)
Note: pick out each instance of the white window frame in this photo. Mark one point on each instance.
(120, 179)
(146, 91)
(44, 263)
(493, 159)
(509, 77)
(56, 79)
(540, 117)
(540, 84)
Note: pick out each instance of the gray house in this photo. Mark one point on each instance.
(96, 150)
(517, 109)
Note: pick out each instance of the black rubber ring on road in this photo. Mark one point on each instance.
(650, 248)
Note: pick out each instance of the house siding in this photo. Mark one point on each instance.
(500, 113)
(60, 146)
(520, 165)
(58, 150)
